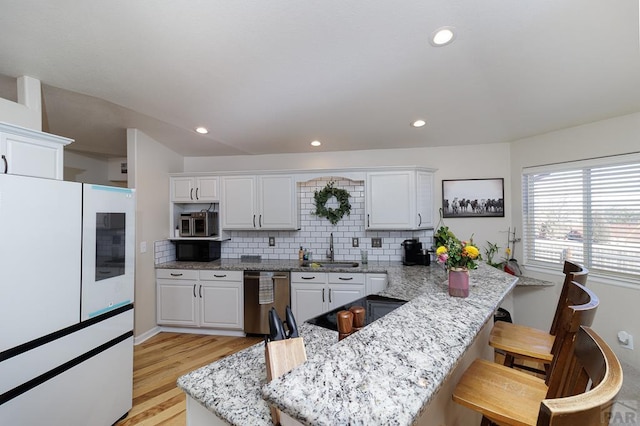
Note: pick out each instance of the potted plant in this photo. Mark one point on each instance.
(458, 257)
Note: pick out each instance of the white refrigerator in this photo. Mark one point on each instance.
(66, 302)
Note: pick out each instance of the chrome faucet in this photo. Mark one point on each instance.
(330, 254)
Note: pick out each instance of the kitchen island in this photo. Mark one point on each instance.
(397, 370)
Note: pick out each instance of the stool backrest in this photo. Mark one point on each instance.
(581, 311)
(593, 379)
(572, 272)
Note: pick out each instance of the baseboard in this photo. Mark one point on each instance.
(146, 335)
(205, 331)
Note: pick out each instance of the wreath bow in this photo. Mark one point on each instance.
(321, 197)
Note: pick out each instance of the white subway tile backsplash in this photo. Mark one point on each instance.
(164, 251)
(314, 232)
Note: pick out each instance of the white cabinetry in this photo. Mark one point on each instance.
(313, 293)
(259, 202)
(409, 192)
(375, 283)
(222, 298)
(177, 301)
(194, 189)
(207, 299)
(30, 153)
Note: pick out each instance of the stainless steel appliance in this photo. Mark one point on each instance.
(199, 224)
(262, 291)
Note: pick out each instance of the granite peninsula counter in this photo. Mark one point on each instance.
(386, 373)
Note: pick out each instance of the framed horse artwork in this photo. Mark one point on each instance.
(473, 198)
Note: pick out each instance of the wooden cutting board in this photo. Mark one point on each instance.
(281, 357)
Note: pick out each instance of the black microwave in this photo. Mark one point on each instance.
(197, 251)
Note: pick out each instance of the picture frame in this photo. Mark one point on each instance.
(473, 198)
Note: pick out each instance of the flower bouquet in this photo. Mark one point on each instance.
(458, 257)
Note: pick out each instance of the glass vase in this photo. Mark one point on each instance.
(458, 282)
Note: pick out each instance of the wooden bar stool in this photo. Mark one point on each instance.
(585, 376)
(592, 377)
(527, 343)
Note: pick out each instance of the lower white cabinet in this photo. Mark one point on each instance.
(313, 293)
(222, 299)
(376, 283)
(192, 298)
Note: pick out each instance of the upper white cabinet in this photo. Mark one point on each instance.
(194, 189)
(31, 153)
(401, 199)
(259, 202)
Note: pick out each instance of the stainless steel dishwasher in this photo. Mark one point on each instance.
(264, 290)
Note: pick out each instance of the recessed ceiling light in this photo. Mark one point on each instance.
(202, 130)
(418, 123)
(443, 36)
(316, 143)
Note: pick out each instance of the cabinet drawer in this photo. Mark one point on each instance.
(309, 277)
(177, 274)
(215, 275)
(346, 278)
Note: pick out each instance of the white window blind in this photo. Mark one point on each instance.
(588, 212)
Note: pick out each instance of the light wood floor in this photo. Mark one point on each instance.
(157, 364)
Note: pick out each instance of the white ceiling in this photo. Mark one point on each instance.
(271, 76)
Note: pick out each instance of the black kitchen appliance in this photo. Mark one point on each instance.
(375, 307)
(412, 252)
(197, 251)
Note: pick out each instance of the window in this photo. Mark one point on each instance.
(587, 211)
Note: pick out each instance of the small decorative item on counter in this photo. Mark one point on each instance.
(301, 255)
(458, 257)
(345, 324)
(458, 282)
(359, 315)
(364, 257)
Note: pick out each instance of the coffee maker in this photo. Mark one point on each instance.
(413, 253)
(412, 250)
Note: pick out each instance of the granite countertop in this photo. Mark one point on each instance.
(274, 265)
(384, 374)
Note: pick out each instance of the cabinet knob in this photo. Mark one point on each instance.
(323, 295)
(6, 164)
(176, 275)
(308, 278)
(219, 276)
(197, 194)
(194, 290)
(191, 193)
(419, 219)
(345, 278)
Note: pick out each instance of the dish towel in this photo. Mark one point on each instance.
(265, 293)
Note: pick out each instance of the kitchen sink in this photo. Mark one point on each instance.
(331, 264)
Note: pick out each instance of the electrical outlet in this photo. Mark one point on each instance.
(376, 242)
(355, 242)
(272, 241)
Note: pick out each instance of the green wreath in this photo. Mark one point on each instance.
(333, 215)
